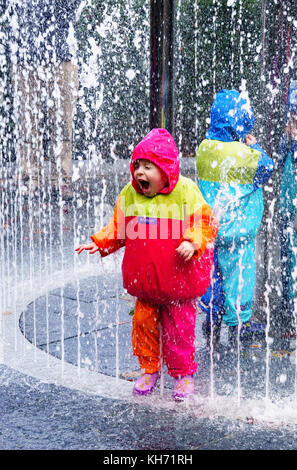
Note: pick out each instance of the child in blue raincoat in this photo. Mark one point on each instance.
(232, 168)
(287, 163)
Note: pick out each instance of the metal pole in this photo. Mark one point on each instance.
(162, 77)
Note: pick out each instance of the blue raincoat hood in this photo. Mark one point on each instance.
(231, 117)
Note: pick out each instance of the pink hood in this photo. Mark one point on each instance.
(159, 148)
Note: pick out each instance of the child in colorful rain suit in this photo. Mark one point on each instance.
(287, 163)
(232, 167)
(167, 229)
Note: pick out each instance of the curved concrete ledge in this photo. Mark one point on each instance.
(19, 354)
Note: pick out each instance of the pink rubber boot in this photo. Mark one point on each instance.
(183, 388)
(145, 384)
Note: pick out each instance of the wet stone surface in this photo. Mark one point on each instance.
(46, 417)
(88, 324)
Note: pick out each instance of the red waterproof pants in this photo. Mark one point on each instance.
(168, 332)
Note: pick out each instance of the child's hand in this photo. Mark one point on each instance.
(250, 140)
(91, 247)
(186, 249)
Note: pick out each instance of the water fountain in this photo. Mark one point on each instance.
(66, 319)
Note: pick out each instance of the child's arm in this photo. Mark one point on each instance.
(110, 238)
(202, 230)
(265, 163)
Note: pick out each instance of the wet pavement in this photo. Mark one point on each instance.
(67, 367)
(37, 416)
(86, 323)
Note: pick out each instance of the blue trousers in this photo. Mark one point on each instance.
(232, 286)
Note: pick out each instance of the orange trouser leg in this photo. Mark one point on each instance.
(146, 336)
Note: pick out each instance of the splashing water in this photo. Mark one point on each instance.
(40, 229)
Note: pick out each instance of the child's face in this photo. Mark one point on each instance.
(150, 178)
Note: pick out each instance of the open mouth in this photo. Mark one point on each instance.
(144, 185)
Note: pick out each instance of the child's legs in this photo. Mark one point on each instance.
(146, 336)
(178, 337)
(212, 302)
(239, 278)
